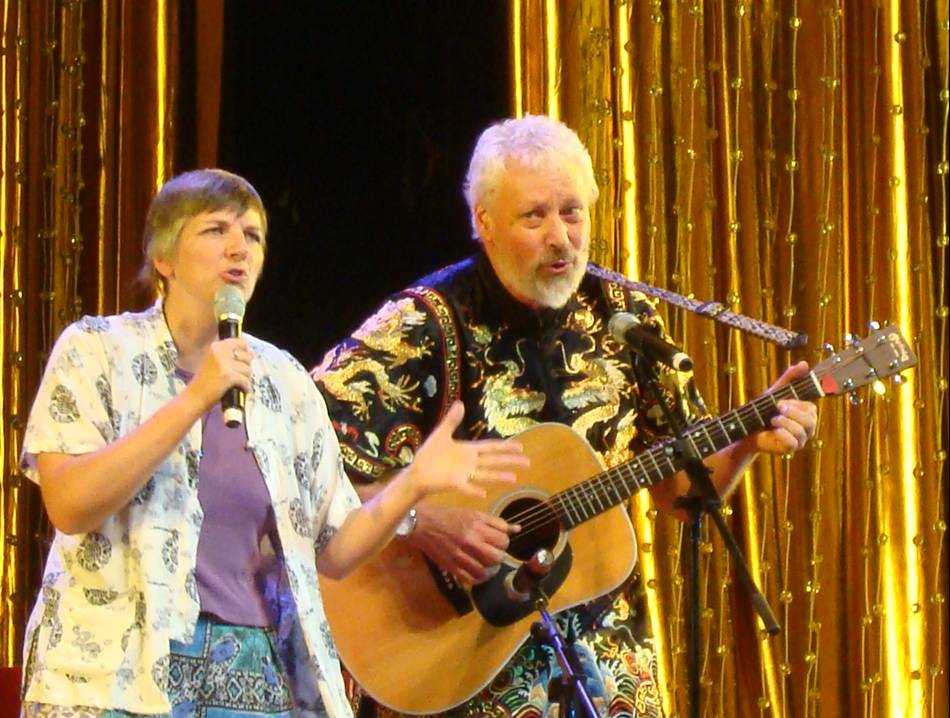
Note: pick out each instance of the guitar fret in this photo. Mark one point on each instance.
(613, 485)
(605, 484)
(668, 455)
(724, 428)
(579, 503)
(597, 496)
(738, 415)
(568, 505)
(729, 428)
(659, 472)
(696, 449)
(633, 475)
(757, 413)
(558, 502)
(753, 420)
(589, 507)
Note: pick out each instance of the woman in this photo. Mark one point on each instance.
(183, 573)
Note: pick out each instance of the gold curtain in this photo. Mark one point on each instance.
(86, 138)
(789, 159)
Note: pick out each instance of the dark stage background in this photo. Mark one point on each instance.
(355, 123)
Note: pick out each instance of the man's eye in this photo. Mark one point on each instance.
(252, 237)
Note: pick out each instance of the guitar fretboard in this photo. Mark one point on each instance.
(602, 492)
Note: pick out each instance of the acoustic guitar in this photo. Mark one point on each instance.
(417, 646)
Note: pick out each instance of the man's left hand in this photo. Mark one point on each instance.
(795, 422)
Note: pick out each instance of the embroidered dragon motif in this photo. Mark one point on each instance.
(601, 386)
(507, 408)
(346, 372)
(386, 332)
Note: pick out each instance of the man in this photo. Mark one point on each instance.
(519, 333)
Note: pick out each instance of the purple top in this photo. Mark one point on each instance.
(238, 519)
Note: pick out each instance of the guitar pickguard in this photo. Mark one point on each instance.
(491, 597)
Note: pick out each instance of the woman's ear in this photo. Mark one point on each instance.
(164, 267)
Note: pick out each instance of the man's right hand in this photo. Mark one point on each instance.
(468, 544)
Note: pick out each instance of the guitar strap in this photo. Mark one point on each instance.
(712, 310)
(448, 586)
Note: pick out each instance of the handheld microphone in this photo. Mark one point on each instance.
(518, 584)
(229, 311)
(627, 329)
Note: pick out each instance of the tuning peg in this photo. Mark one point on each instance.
(828, 348)
(855, 399)
(874, 325)
(850, 339)
(898, 379)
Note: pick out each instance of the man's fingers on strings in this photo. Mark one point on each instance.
(502, 526)
(789, 434)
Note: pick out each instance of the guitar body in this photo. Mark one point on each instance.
(402, 639)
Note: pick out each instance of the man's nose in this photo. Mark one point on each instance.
(558, 234)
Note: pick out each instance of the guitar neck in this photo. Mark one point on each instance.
(596, 495)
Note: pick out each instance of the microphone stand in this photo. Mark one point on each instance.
(701, 499)
(573, 698)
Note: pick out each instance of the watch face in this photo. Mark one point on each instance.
(408, 523)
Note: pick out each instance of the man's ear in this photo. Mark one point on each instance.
(483, 224)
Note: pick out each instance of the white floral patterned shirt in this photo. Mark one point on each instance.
(113, 599)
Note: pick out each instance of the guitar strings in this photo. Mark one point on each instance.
(756, 413)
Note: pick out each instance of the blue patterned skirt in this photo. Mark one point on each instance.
(227, 671)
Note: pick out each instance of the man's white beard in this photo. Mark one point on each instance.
(554, 292)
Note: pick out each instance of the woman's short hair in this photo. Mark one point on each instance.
(534, 141)
(183, 197)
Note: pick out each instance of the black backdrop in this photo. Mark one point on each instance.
(355, 122)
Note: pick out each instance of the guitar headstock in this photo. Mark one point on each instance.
(883, 353)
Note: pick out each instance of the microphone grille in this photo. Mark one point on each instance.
(229, 301)
(619, 324)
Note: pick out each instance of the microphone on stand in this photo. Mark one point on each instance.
(627, 329)
(518, 584)
(229, 311)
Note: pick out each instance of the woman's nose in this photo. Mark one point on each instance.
(237, 243)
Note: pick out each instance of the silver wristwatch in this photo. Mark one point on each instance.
(405, 527)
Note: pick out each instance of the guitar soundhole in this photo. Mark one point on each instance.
(539, 527)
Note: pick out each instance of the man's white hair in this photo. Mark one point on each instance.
(534, 141)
